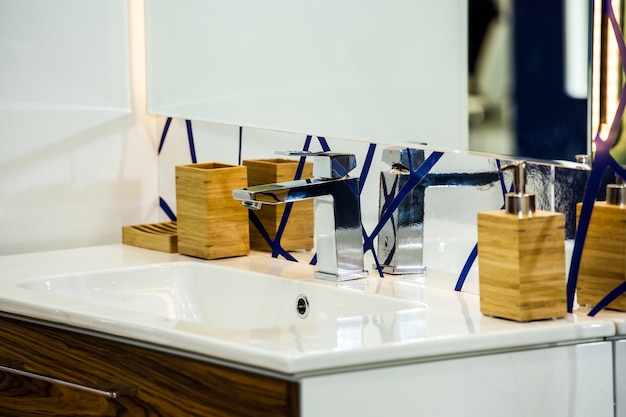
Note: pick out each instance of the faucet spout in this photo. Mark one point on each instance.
(338, 236)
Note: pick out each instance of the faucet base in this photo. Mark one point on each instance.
(344, 276)
(398, 270)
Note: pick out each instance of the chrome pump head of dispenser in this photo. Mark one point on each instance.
(519, 202)
(616, 193)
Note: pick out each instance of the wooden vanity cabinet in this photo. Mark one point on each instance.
(157, 383)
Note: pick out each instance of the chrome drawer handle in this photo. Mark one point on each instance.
(106, 389)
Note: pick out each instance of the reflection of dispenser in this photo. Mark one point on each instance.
(603, 261)
(401, 240)
(521, 258)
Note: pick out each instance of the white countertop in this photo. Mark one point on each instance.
(617, 317)
(450, 326)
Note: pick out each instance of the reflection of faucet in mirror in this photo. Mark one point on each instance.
(401, 240)
(338, 235)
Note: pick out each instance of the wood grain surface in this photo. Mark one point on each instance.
(521, 264)
(603, 261)
(211, 223)
(166, 384)
(155, 236)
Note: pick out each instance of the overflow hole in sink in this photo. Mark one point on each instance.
(302, 306)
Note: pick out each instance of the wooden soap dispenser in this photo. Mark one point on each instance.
(603, 260)
(521, 257)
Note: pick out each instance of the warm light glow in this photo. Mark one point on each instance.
(612, 73)
(137, 56)
(604, 131)
(595, 80)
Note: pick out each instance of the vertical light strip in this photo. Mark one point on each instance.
(596, 68)
(606, 72)
(552, 192)
(137, 57)
(612, 72)
(576, 47)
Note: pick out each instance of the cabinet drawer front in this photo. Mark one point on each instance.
(166, 384)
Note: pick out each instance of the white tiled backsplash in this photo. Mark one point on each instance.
(450, 212)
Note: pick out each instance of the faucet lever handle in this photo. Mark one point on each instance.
(519, 175)
(327, 165)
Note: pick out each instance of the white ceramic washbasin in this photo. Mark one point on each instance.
(250, 309)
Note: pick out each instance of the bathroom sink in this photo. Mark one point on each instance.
(198, 294)
(262, 313)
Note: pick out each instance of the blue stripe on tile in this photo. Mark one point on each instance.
(164, 133)
(276, 250)
(608, 299)
(367, 164)
(166, 209)
(307, 143)
(192, 146)
(466, 268)
(323, 143)
(240, 144)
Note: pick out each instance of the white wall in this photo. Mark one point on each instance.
(78, 152)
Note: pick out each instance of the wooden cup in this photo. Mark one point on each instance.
(211, 224)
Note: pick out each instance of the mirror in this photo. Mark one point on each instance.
(528, 65)
(608, 79)
(369, 70)
(388, 72)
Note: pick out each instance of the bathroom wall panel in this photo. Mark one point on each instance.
(78, 153)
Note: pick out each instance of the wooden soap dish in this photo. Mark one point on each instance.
(156, 236)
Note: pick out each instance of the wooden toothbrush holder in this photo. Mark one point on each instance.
(211, 224)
